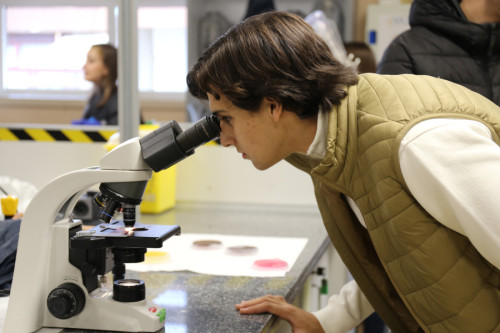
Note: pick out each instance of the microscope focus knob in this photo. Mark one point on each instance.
(66, 301)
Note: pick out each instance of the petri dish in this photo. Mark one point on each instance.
(270, 264)
(207, 244)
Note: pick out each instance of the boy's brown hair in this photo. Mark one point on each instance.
(275, 55)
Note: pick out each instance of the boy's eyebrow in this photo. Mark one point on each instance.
(215, 113)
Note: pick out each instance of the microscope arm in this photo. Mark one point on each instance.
(125, 156)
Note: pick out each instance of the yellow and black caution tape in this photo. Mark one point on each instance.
(54, 135)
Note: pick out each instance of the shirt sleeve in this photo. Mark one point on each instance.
(451, 167)
(345, 310)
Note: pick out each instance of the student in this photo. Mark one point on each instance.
(404, 169)
(101, 68)
(9, 235)
(456, 40)
(364, 53)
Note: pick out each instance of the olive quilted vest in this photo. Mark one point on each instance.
(418, 274)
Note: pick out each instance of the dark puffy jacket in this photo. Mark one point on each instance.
(9, 236)
(443, 43)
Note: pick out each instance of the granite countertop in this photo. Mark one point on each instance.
(197, 303)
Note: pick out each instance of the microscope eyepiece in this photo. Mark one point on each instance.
(169, 145)
(203, 131)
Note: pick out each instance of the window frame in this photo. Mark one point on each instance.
(174, 97)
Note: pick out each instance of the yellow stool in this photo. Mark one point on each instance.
(160, 192)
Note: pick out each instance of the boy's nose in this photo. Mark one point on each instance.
(225, 139)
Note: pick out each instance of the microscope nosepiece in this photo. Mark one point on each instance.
(112, 199)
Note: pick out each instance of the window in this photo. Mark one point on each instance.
(162, 41)
(45, 45)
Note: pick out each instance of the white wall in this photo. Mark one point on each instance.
(40, 162)
(217, 174)
(212, 174)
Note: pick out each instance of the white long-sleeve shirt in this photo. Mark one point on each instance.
(451, 167)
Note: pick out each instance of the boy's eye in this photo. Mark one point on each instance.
(225, 119)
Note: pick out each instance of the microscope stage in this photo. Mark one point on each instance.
(115, 234)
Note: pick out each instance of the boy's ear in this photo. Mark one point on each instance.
(275, 108)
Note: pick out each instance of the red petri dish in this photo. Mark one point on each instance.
(270, 264)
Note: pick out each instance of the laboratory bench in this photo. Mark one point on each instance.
(199, 303)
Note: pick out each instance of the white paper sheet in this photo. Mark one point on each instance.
(181, 254)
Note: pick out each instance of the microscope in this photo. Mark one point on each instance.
(60, 271)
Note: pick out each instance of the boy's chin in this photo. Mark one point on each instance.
(262, 166)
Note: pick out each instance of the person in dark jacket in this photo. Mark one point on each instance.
(9, 235)
(259, 6)
(101, 68)
(456, 40)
